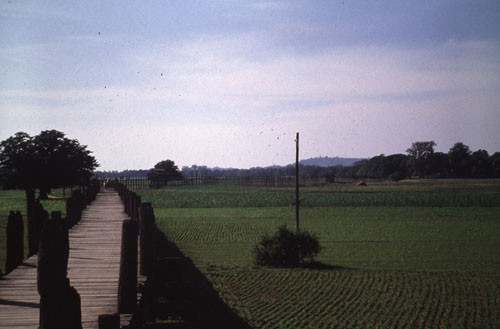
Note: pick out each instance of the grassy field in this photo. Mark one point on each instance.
(420, 254)
(429, 193)
(15, 200)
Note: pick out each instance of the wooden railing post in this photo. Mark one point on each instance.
(38, 218)
(146, 238)
(59, 302)
(127, 283)
(137, 205)
(70, 211)
(32, 222)
(15, 241)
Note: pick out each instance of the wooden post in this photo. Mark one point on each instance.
(15, 241)
(127, 282)
(137, 205)
(297, 201)
(59, 302)
(146, 242)
(39, 218)
(31, 221)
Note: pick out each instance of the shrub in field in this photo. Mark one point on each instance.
(286, 248)
(397, 176)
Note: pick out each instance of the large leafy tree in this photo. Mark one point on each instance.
(165, 171)
(45, 161)
(460, 160)
(481, 164)
(439, 164)
(420, 154)
(495, 164)
(393, 166)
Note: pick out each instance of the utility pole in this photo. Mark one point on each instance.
(297, 201)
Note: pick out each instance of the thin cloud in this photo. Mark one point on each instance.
(224, 69)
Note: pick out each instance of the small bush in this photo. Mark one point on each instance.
(286, 248)
(397, 176)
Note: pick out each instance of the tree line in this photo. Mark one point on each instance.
(421, 160)
(308, 171)
(167, 170)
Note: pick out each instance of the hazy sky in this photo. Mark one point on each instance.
(229, 83)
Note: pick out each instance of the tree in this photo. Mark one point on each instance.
(18, 161)
(460, 160)
(396, 166)
(165, 171)
(419, 155)
(45, 161)
(440, 164)
(495, 164)
(393, 166)
(481, 164)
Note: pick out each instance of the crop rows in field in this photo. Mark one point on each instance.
(210, 231)
(358, 299)
(411, 265)
(219, 232)
(234, 196)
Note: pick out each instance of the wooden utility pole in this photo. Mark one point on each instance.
(297, 201)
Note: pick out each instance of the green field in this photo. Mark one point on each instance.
(417, 254)
(15, 200)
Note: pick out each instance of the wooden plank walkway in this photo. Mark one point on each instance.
(93, 269)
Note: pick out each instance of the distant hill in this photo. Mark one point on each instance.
(223, 172)
(329, 162)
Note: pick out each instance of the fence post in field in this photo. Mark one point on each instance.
(15, 241)
(146, 236)
(127, 283)
(60, 305)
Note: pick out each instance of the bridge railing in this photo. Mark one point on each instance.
(37, 217)
(138, 231)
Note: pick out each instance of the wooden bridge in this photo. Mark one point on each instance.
(93, 269)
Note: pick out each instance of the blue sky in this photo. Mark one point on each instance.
(229, 83)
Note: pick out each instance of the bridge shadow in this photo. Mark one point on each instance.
(17, 303)
(183, 291)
